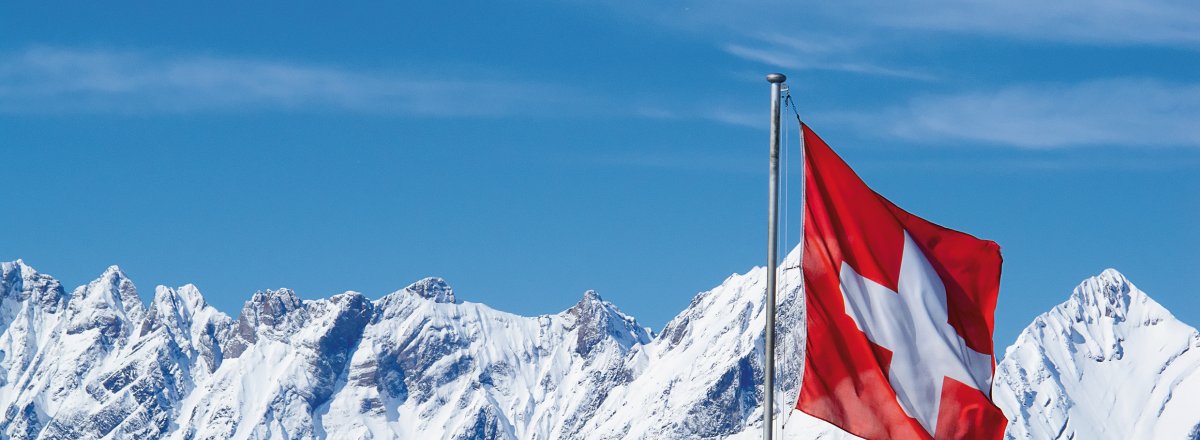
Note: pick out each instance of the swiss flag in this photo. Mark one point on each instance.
(900, 314)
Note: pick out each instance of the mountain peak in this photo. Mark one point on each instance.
(191, 295)
(269, 306)
(17, 269)
(24, 282)
(596, 320)
(113, 271)
(110, 302)
(184, 300)
(1108, 277)
(173, 308)
(1110, 362)
(113, 286)
(19, 264)
(1108, 294)
(270, 312)
(591, 304)
(432, 288)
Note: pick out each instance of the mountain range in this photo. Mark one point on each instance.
(420, 363)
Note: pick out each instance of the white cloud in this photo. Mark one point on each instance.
(796, 54)
(1118, 112)
(740, 118)
(45, 80)
(1159, 22)
(51, 80)
(868, 36)
(681, 161)
(709, 112)
(1166, 22)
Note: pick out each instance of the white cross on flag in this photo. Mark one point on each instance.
(900, 314)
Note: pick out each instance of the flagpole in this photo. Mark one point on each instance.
(776, 80)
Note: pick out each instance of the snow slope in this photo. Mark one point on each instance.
(420, 363)
(1107, 363)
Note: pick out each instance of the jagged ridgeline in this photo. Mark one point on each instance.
(419, 363)
(416, 363)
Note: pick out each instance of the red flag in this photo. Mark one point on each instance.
(900, 314)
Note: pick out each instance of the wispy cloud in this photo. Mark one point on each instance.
(815, 54)
(1117, 112)
(715, 113)
(871, 37)
(55, 80)
(1156, 22)
(1162, 22)
(678, 161)
(1026, 162)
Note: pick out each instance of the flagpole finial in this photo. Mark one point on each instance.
(776, 78)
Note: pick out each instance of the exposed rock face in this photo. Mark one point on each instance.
(100, 364)
(432, 288)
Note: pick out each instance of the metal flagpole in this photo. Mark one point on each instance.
(776, 80)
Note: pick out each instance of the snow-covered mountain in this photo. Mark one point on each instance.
(420, 363)
(1110, 363)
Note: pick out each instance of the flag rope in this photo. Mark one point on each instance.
(790, 105)
(785, 157)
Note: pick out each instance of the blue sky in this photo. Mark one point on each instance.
(528, 151)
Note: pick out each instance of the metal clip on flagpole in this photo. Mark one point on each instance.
(776, 80)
